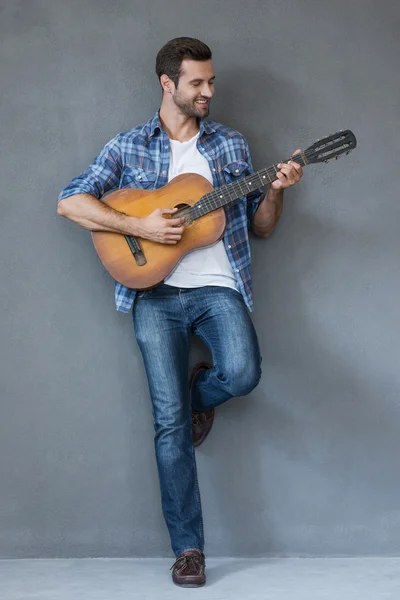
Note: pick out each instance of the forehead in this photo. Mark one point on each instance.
(197, 69)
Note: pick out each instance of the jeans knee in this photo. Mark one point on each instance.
(241, 381)
(170, 423)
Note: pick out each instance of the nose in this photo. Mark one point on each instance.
(207, 91)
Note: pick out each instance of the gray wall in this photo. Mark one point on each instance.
(308, 463)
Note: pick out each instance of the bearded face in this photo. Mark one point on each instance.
(195, 88)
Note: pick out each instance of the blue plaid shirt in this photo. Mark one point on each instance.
(140, 158)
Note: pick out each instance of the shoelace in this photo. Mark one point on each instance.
(183, 561)
(197, 420)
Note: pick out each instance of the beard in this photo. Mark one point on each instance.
(189, 107)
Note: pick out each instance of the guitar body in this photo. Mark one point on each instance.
(140, 264)
(161, 259)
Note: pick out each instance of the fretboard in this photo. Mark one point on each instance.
(232, 191)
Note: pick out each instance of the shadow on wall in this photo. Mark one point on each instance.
(309, 457)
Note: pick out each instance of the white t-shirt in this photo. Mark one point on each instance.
(204, 266)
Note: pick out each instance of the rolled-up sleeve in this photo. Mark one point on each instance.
(101, 176)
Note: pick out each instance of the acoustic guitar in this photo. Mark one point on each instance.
(142, 264)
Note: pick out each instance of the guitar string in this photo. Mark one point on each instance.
(212, 199)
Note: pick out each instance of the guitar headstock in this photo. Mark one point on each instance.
(332, 146)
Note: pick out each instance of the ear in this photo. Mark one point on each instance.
(166, 84)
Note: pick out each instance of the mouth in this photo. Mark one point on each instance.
(203, 103)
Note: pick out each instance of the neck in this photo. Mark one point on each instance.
(177, 125)
(230, 192)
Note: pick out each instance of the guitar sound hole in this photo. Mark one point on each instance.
(181, 206)
(183, 211)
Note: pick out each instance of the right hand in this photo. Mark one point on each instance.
(158, 229)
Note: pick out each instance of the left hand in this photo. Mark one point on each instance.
(289, 174)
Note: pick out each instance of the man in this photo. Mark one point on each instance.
(208, 294)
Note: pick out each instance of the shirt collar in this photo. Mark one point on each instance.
(205, 126)
(155, 124)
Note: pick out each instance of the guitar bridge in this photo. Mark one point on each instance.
(136, 250)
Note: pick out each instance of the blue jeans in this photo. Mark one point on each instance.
(164, 319)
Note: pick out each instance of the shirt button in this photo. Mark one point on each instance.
(164, 173)
(213, 170)
(229, 247)
(139, 177)
(237, 270)
(237, 171)
(166, 147)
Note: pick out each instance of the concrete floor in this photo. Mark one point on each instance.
(227, 579)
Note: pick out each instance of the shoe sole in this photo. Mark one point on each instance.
(188, 585)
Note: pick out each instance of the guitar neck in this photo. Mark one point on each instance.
(232, 191)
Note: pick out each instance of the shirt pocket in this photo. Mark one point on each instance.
(137, 177)
(235, 170)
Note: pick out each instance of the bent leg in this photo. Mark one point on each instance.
(224, 324)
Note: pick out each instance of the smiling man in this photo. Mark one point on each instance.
(208, 294)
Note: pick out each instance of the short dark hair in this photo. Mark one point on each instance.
(169, 58)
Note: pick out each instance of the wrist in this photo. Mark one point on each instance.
(274, 195)
(136, 227)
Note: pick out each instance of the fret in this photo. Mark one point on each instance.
(262, 179)
(221, 198)
(228, 189)
(249, 184)
(239, 184)
(230, 192)
(213, 196)
(209, 200)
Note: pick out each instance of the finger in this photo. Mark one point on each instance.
(175, 230)
(173, 235)
(286, 180)
(177, 222)
(290, 172)
(168, 211)
(281, 176)
(296, 166)
(291, 164)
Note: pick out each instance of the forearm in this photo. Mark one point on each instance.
(94, 215)
(268, 213)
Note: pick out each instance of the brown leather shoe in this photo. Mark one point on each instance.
(188, 569)
(201, 421)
